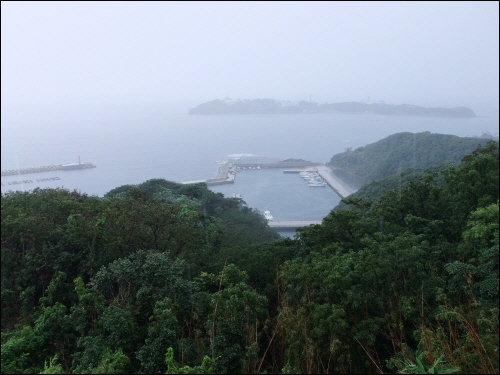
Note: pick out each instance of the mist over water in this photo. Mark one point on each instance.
(174, 282)
(131, 147)
(101, 80)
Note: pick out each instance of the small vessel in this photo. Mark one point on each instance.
(268, 216)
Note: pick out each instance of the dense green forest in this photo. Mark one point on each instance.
(169, 278)
(372, 191)
(399, 152)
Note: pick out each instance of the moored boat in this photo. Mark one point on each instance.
(268, 216)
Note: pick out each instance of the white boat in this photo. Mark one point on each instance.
(268, 216)
(317, 184)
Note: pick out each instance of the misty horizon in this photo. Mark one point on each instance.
(177, 55)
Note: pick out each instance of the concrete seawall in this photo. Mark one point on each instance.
(47, 168)
(332, 180)
(225, 175)
(335, 182)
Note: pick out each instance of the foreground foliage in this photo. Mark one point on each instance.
(168, 278)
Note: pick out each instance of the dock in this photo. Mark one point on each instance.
(299, 170)
(340, 187)
(291, 224)
(48, 168)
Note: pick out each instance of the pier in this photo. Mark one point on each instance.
(308, 170)
(292, 224)
(331, 179)
(225, 175)
(48, 168)
(335, 182)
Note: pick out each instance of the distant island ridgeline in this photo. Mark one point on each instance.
(272, 106)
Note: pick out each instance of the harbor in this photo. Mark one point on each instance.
(270, 187)
(290, 202)
(263, 183)
(237, 162)
(318, 174)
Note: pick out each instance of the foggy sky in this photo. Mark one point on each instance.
(179, 54)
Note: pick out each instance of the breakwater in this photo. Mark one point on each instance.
(48, 168)
(225, 175)
(292, 224)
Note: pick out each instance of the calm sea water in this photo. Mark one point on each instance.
(130, 148)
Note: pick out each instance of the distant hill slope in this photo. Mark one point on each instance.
(372, 191)
(401, 151)
(272, 106)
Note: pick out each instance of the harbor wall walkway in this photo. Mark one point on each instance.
(335, 182)
(291, 224)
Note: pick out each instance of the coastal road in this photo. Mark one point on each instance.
(292, 223)
(335, 182)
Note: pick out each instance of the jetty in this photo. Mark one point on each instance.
(340, 187)
(291, 224)
(49, 168)
(225, 175)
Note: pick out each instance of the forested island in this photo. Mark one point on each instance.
(402, 151)
(272, 106)
(168, 278)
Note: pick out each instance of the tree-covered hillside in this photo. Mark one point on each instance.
(169, 278)
(401, 151)
(373, 191)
